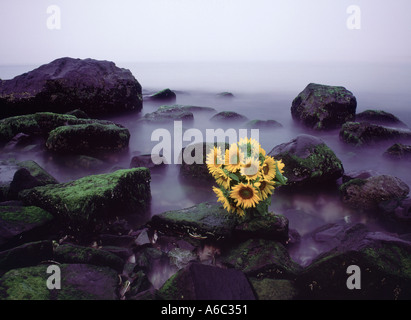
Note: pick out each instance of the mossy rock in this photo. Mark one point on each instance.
(168, 114)
(262, 259)
(18, 224)
(69, 253)
(202, 221)
(229, 116)
(308, 161)
(163, 95)
(78, 282)
(274, 289)
(398, 151)
(263, 124)
(88, 139)
(380, 117)
(85, 201)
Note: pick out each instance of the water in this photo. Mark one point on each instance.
(262, 91)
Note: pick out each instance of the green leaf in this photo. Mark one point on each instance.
(234, 177)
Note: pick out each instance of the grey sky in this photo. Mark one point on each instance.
(205, 30)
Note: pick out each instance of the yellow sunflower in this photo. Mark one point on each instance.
(280, 166)
(268, 168)
(266, 188)
(222, 178)
(214, 160)
(222, 198)
(245, 195)
(249, 147)
(233, 158)
(251, 169)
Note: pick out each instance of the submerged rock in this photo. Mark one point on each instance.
(203, 282)
(323, 107)
(146, 160)
(229, 116)
(379, 117)
(376, 193)
(308, 161)
(274, 289)
(88, 139)
(398, 151)
(84, 201)
(225, 94)
(80, 282)
(96, 87)
(165, 95)
(364, 133)
(78, 113)
(168, 114)
(263, 124)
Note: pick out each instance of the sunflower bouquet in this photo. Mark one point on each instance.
(246, 177)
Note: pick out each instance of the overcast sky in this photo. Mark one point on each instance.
(204, 30)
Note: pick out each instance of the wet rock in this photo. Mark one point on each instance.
(202, 221)
(270, 227)
(165, 95)
(398, 151)
(362, 174)
(147, 257)
(225, 94)
(19, 141)
(146, 161)
(403, 212)
(308, 161)
(262, 259)
(28, 254)
(379, 117)
(263, 124)
(96, 87)
(81, 162)
(87, 200)
(229, 116)
(323, 107)
(89, 139)
(274, 289)
(20, 224)
(383, 260)
(362, 134)
(165, 114)
(73, 254)
(140, 284)
(181, 257)
(80, 282)
(376, 193)
(78, 113)
(202, 282)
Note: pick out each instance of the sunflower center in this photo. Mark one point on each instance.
(246, 193)
(263, 185)
(266, 169)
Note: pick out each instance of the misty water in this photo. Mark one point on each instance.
(261, 91)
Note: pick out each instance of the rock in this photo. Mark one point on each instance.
(22, 180)
(28, 254)
(80, 282)
(225, 95)
(89, 139)
(274, 289)
(270, 227)
(147, 257)
(308, 161)
(262, 259)
(181, 257)
(20, 140)
(362, 174)
(72, 254)
(165, 114)
(403, 212)
(230, 116)
(198, 169)
(376, 193)
(322, 107)
(263, 124)
(202, 221)
(202, 282)
(78, 113)
(21, 224)
(96, 87)
(383, 260)
(362, 133)
(165, 95)
(143, 238)
(146, 160)
(89, 199)
(139, 285)
(398, 151)
(380, 117)
(81, 162)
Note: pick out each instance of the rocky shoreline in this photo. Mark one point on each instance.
(202, 252)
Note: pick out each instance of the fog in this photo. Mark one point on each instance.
(204, 30)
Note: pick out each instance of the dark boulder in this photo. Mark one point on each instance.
(263, 124)
(96, 87)
(398, 151)
(229, 116)
(165, 114)
(146, 160)
(380, 117)
(323, 107)
(165, 95)
(308, 161)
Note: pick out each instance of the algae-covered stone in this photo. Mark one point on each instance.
(308, 161)
(229, 116)
(162, 96)
(274, 289)
(361, 134)
(69, 253)
(380, 117)
(385, 269)
(203, 282)
(88, 139)
(262, 258)
(398, 151)
(88, 199)
(205, 220)
(19, 223)
(323, 107)
(78, 282)
(263, 124)
(165, 114)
